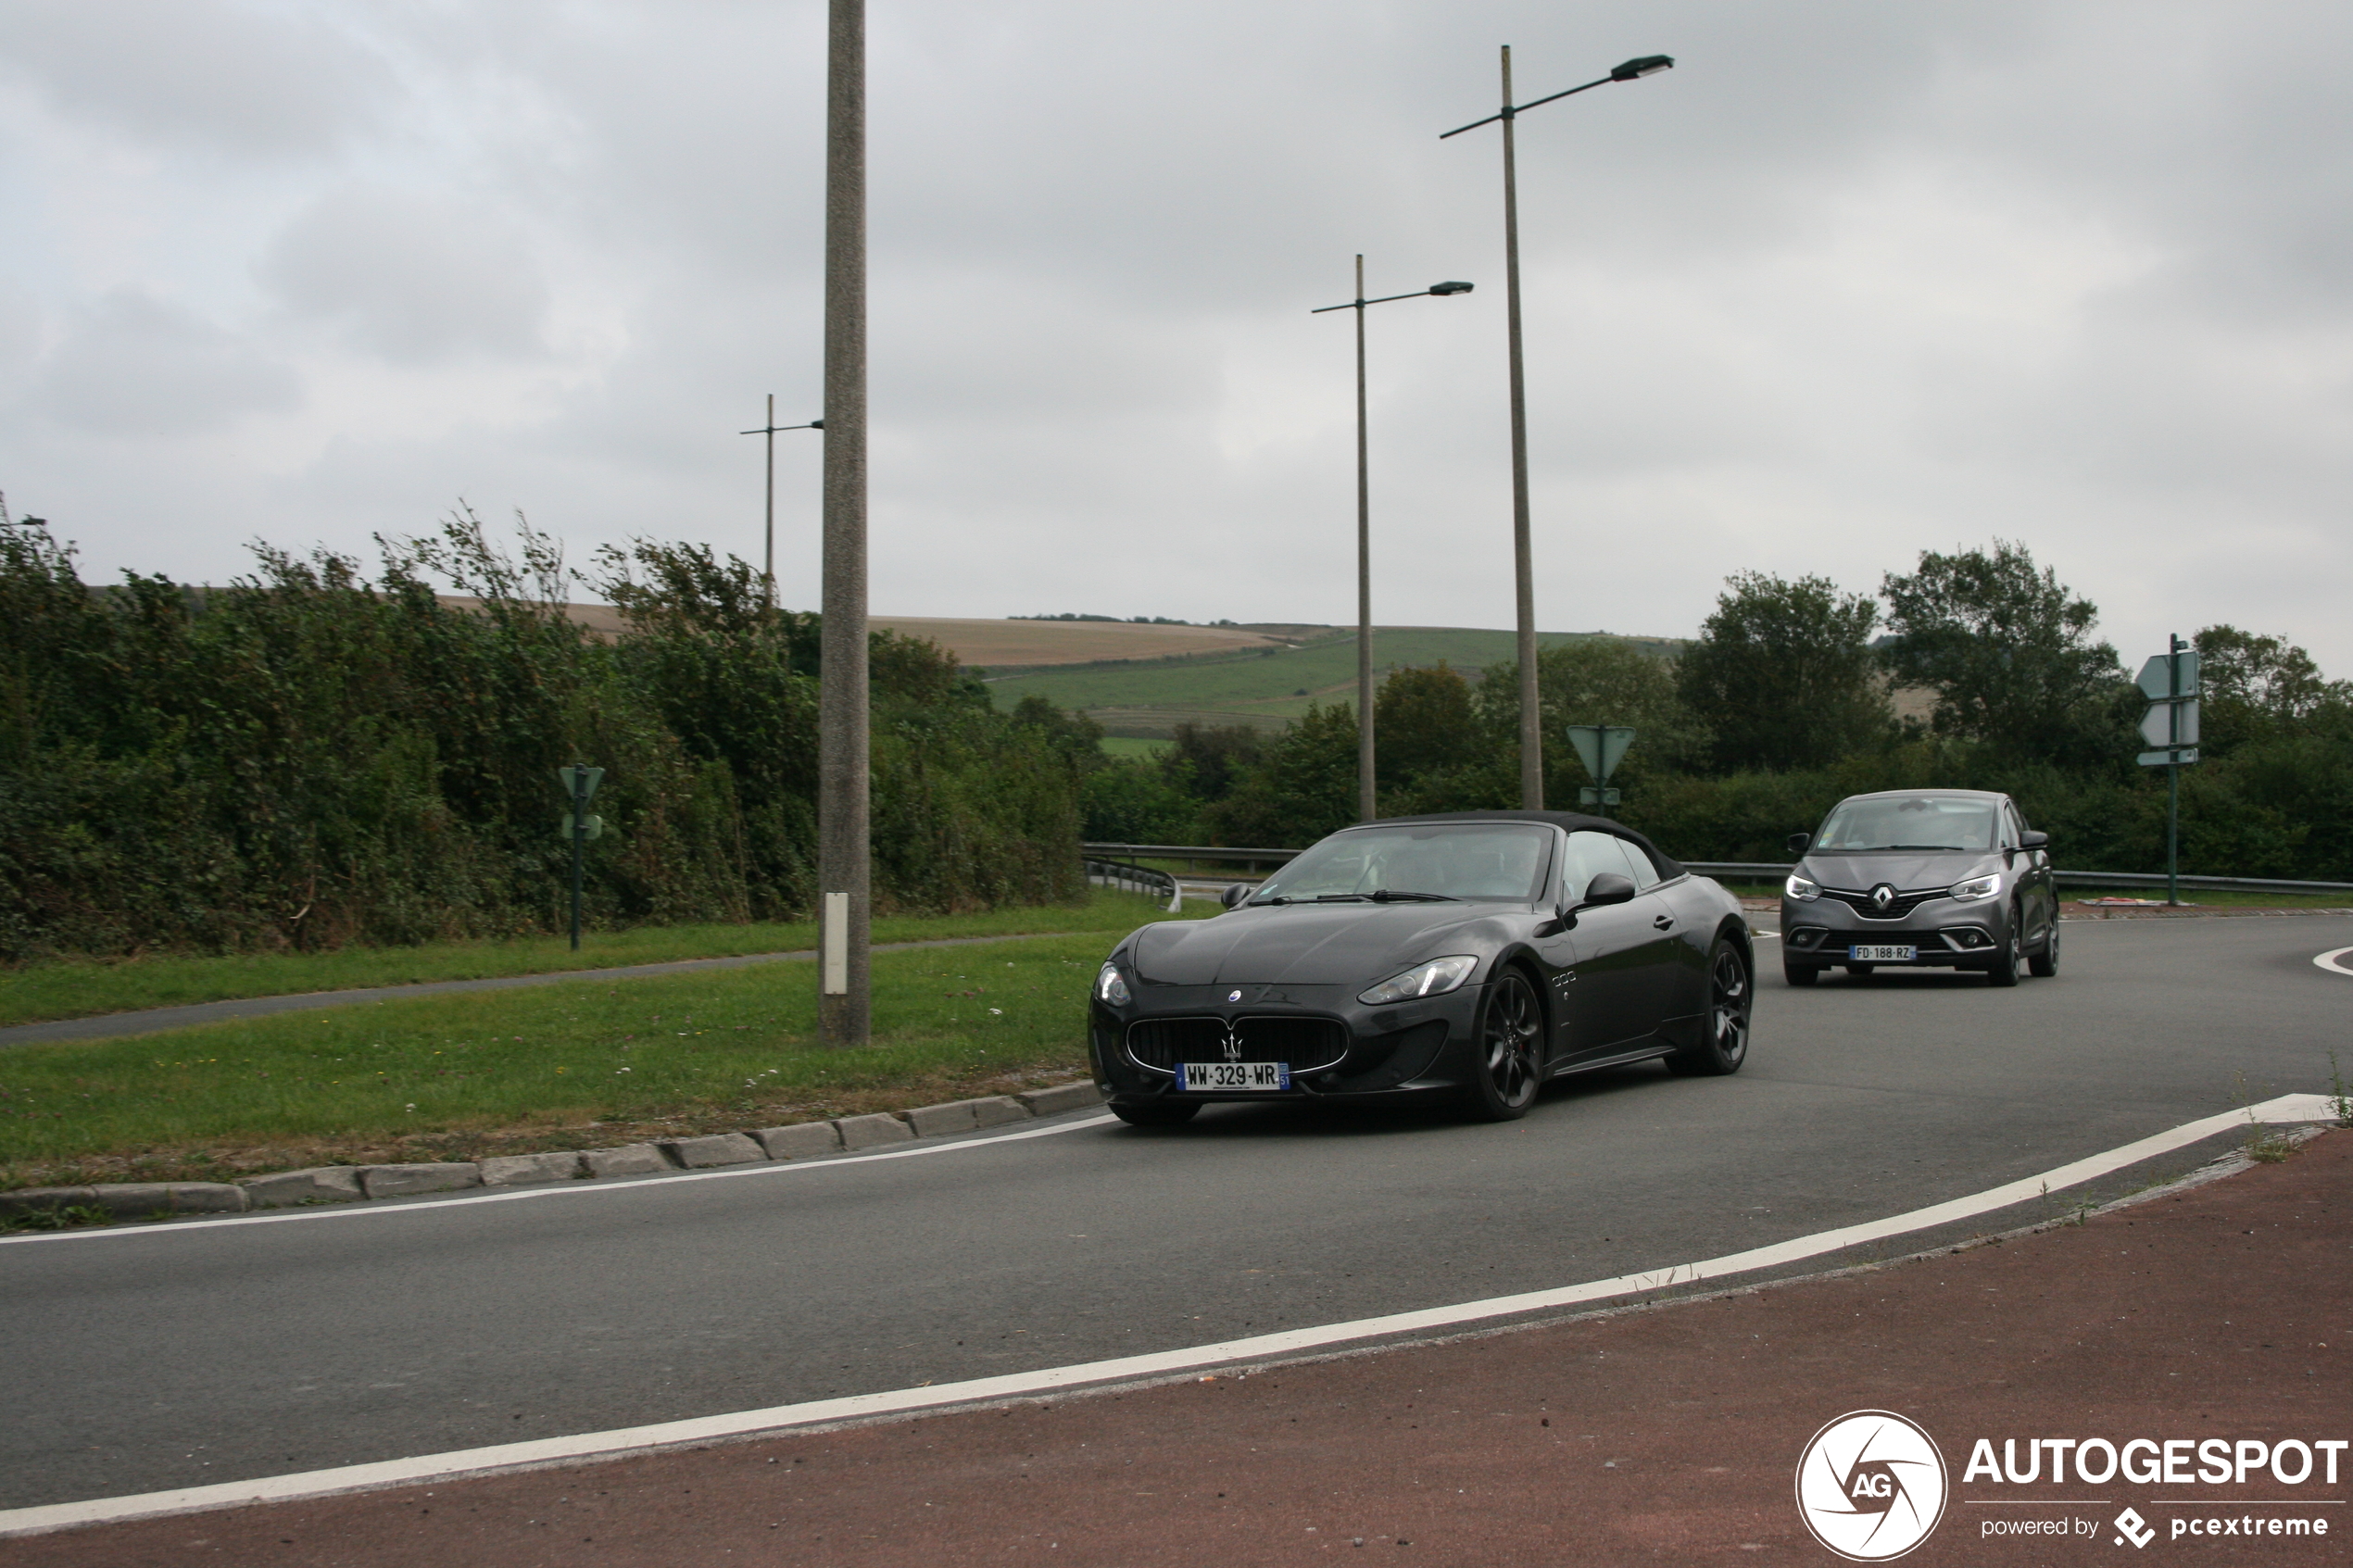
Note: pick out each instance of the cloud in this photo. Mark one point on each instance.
(135, 367)
(240, 79)
(1853, 281)
(413, 276)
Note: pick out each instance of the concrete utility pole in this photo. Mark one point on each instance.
(1366, 804)
(1532, 722)
(768, 552)
(844, 863)
(1531, 727)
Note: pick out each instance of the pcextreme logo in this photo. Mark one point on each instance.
(1871, 1486)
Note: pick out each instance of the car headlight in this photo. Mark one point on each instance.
(1431, 979)
(1801, 887)
(1977, 887)
(1112, 986)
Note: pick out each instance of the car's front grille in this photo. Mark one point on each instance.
(1306, 1043)
(1897, 908)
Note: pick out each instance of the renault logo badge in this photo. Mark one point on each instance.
(1881, 897)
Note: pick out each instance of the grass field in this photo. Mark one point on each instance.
(1270, 686)
(31, 992)
(1133, 746)
(585, 1063)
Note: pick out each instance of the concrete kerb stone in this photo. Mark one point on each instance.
(406, 1181)
(804, 1140)
(41, 1200)
(719, 1148)
(526, 1170)
(939, 1121)
(345, 1184)
(629, 1160)
(868, 1132)
(1061, 1097)
(324, 1183)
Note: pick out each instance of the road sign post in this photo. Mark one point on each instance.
(2169, 681)
(579, 784)
(1601, 747)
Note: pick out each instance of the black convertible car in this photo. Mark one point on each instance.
(1474, 953)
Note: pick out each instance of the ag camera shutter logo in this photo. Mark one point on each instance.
(1871, 1486)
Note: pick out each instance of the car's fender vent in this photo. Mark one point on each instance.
(1307, 1044)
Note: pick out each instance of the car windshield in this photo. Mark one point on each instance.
(1429, 860)
(1910, 822)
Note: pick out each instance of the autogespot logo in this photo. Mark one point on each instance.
(1871, 1486)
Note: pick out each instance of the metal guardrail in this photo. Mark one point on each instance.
(1135, 879)
(1757, 871)
(1222, 854)
(1768, 871)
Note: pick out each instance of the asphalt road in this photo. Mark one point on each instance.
(196, 1353)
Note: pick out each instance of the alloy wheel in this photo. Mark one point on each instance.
(1512, 1030)
(1728, 1005)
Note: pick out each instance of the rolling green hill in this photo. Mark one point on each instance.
(1150, 697)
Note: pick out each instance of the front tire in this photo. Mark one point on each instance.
(1157, 1112)
(2045, 965)
(2004, 970)
(1730, 1002)
(1511, 1048)
(1801, 974)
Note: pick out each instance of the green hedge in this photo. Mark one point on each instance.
(309, 757)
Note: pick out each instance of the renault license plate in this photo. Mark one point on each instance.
(1885, 954)
(1229, 1075)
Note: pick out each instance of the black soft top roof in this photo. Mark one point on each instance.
(1567, 821)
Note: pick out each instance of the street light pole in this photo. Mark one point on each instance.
(844, 863)
(768, 554)
(1365, 809)
(1531, 729)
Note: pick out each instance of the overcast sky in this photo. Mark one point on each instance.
(1853, 281)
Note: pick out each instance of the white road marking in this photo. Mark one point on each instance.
(2333, 960)
(560, 1189)
(673, 1433)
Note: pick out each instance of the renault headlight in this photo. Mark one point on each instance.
(1803, 888)
(1112, 986)
(1432, 979)
(1977, 887)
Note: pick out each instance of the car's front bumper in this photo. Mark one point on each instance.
(1375, 1052)
(1943, 932)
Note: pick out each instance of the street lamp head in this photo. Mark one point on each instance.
(1450, 288)
(1649, 65)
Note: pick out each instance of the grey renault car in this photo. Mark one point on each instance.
(1921, 878)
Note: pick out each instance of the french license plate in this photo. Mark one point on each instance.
(1863, 953)
(1265, 1076)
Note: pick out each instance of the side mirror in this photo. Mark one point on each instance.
(1798, 842)
(2033, 841)
(1234, 894)
(1607, 888)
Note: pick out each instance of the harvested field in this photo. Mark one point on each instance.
(998, 645)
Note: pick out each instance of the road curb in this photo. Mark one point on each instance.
(347, 1184)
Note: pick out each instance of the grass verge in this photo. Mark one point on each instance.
(35, 993)
(587, 1063)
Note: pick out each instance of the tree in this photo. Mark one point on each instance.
(1589, 680)
(2008, 651)
(1208, 758)
(1075, 737)
(2253, 688)
(1783, 675)
(1303, 787)
(1424, 726)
